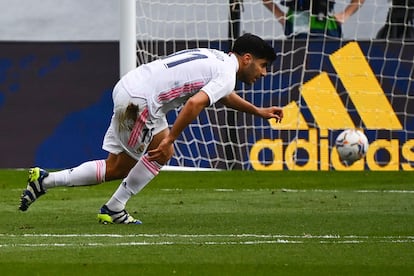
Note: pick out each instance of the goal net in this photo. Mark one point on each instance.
(362, 80)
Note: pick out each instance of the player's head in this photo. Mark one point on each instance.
(252, 44)
(254, 56)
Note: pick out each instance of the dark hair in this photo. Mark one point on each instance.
(252, 44)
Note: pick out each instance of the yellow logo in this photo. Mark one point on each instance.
(330, 113)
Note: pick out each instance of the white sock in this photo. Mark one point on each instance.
(88, 173)
(139, 176)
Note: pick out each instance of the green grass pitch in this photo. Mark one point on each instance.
(217, 223)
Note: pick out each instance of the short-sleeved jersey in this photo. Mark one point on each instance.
(169, 82)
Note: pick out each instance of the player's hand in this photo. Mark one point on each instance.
(272, 112)
(163, 152)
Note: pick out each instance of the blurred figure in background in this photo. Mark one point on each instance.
(399, 23)
(315, 18)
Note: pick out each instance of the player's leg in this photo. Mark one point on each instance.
(87, 173)
(116, 166)
(39, 181)
(139, 176)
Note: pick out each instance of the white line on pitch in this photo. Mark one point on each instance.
(354, 191)
(194, 239)
(281, 190)
(300, 190)
(163, 243)
(170, 235)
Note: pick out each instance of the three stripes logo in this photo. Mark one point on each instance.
(326, 106)
(330, 113)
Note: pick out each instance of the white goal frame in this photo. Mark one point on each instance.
(127, 40)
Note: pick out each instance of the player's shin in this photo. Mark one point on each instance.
(139, 176)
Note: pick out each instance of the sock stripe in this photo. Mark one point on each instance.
(100, 171)
(153, 167)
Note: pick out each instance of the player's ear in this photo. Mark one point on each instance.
(247, 58)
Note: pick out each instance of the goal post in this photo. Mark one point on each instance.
(128, 39)
(325, 85)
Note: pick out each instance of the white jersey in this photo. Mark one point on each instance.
(169, 82)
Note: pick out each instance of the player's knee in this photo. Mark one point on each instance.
(116, 168)
(119, 173)
(114, 173)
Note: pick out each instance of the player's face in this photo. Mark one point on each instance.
(254, 69)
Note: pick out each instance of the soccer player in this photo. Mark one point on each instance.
(138, 139)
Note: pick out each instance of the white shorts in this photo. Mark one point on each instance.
(132, 127)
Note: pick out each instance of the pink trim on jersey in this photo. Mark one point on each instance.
(180, 91)
(100, 172)
(139, 125)
(152, 166)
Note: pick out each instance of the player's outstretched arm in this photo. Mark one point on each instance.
(236, 102)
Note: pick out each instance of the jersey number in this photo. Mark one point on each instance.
(193, 56)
